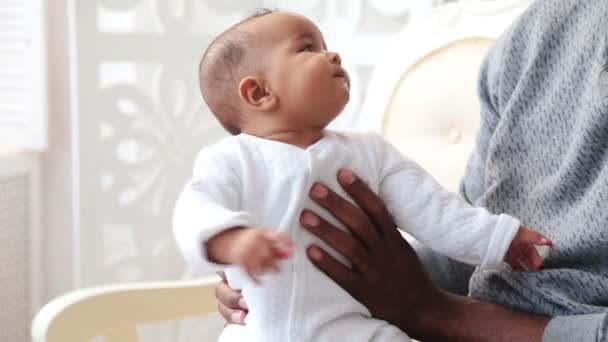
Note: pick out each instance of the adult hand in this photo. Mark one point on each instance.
(231, 304)
(386, 275)
(388, 278)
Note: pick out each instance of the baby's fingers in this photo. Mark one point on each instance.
(283, 247)
(256, 267)
(254, 274)
(530, 236)
(272, 265)
(270, 262)
(528, 260)
(263, 263)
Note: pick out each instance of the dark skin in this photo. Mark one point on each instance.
(379, 257)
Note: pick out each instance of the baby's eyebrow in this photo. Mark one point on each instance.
(310, 35)
(305, 35)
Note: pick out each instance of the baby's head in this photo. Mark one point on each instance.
(272, 73)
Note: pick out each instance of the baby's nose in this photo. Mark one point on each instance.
(334, 57)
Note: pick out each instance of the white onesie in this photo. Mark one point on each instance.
(253, 182)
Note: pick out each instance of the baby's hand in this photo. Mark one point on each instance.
(258, 250)
(522, 255)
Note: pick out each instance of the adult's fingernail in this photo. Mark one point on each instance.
(243, 304)
(314, 254)
(310, 219)
(238, 317)
(346, 176)
(319, 191)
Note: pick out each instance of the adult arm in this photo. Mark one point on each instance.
(454, 276)
(495, 95)
(388, 278)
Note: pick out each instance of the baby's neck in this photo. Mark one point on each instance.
(300, 138)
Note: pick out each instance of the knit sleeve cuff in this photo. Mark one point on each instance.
(582, 328)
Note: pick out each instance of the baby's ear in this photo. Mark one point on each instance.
(254, 93)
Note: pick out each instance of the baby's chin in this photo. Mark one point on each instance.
(341, 101)
(330, 113)
(343, 105)
(333, 117)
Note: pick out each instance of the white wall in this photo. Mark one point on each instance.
(57, 162)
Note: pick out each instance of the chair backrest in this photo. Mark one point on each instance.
(422, 97)
(115, 311)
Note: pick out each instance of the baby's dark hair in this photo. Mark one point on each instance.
(227, 60)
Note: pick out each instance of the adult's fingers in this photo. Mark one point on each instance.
(231, 304)
(342, 275)
(232, 316)
(229, 297)
(369, 201)
(346, 212)
(342, 242)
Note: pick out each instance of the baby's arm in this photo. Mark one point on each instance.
(255, 250)
(210, 229)
(439, 218)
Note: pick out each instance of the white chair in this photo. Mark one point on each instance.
(421, 97)
(115, 311)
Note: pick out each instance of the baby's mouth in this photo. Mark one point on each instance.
(342, 74)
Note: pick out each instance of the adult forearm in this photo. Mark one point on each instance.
(457, 318)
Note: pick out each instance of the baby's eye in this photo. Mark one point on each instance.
(309, 48)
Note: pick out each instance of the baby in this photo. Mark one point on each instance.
(272, 83)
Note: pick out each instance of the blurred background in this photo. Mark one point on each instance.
(100, 119)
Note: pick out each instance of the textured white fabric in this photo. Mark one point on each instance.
(254, 182)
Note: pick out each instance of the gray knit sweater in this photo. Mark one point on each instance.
(542, 156)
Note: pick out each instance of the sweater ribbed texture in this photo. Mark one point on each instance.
(542, 155)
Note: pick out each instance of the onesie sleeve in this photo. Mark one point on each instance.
(209, 204)
(441, 219)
